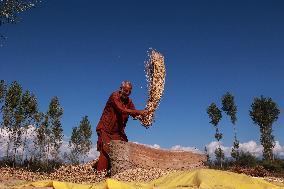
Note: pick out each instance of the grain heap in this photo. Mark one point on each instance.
(83, 173)
(141, 175)
(155, 75)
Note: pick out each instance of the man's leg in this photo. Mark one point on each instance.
(103, 162)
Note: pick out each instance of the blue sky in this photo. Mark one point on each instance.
(80, 51)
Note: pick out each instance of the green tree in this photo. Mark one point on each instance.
(208, 160)
(2, 93)
(75, 145)
(10, 10)
(220, 156)
(55, 113)
(18, 112)
(246, 159)
(43, 138)
(12, 118)
(215, 116)
(30, 110)
(230, 108)
(3, 89)
(86, 130)
(80, 142)
(40, 137)
(264, 111)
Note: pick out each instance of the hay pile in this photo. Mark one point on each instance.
(141, 175)
(155, 75)
(83, 174)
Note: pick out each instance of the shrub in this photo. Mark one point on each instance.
(246, 159)
(33, 165)
(275, 166)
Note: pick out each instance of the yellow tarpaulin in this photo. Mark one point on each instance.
(202, 178)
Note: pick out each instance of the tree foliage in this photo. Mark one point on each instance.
(264, 111)
(2, 92)
(220, 156)
(43, 139)
(13, 116)
(80, 142)
(235, 153)
(19, 110)
(215, 116)
(10, 9)
(55, 112)
(208, 161)
(246, 159)
(230, 108)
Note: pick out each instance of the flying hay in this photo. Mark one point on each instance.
(155, 75)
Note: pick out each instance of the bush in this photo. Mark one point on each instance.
(246, 159)
(33, 165)
(275, 166)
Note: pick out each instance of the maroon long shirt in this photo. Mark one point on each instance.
(113, 120)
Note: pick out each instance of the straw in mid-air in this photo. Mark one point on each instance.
(155, 74)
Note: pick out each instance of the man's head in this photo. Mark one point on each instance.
(125, 89)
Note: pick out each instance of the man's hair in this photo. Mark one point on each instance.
(123, 83)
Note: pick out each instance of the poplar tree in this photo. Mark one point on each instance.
(86, 130)
(230, 108)
(215, 115)
(18, 112)
(13, 116)
(75, 146)
(55, 113)
(80, 142)
(208, 161)
(2, 93)
(30, 110)
(3, 89)
(264, 111)
(43, 138)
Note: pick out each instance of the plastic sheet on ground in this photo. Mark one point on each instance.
(202, 178)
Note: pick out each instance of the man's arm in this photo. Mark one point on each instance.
(132, 107)
(121, 108)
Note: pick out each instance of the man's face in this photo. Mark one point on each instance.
(126, 91)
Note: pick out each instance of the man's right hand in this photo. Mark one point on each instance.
(144, 112)
(140, 112)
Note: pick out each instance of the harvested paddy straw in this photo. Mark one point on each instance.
(155, 75)
(82, 174)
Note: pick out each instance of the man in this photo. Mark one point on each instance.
(113, 122)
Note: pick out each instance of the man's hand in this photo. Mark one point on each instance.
(140, 112)
(144, 112)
